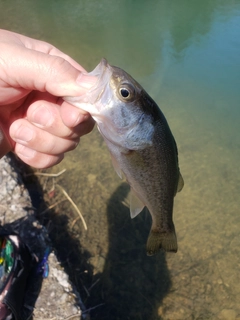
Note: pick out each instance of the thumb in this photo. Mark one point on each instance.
(34, 70)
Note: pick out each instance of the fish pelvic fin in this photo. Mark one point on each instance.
(117, 167)
(136, 204)
(166, 241)
(180, 182)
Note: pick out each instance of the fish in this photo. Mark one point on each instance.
(141, 145)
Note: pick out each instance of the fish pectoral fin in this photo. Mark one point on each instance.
(180, 182)
(136, 205)
(117, 167)
(141, 135)
(166, 241)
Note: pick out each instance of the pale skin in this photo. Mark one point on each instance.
(35, 122)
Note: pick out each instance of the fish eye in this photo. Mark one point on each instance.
(124, 92)
(127, 92)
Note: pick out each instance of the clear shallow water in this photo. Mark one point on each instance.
(187, 56)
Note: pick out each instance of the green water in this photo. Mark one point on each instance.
(186, 54)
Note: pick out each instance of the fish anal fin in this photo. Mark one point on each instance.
(180, 182)
(166, 241)
(136, 205)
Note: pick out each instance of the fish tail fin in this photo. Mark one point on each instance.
(161, 240)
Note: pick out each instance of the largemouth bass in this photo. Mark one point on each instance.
(141, 145)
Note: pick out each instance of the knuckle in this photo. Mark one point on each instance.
(57, 64)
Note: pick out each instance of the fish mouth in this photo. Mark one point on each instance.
(90, 101)
(103, 74)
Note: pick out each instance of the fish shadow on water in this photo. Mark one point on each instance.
(132, 284)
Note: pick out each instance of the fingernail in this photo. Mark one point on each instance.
(23, 134)
(24, 151)
(42, 117)
(86, 81)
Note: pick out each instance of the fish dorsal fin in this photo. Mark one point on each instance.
(116, 167)
(180, 182)
(136, 205)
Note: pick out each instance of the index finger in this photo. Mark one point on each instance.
(40, 46)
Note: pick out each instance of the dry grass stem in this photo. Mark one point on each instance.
(52, 206)
(46, 174)
(74, 221)
(74, 205)
(126, 203)
(89, 289)
(73, 316)
(99, 305)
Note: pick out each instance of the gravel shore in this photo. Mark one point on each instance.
(53, 297)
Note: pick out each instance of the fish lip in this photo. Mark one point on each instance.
(103, 73)
(93, 95)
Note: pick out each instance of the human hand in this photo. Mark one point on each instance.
(35, 122)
